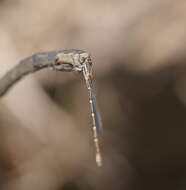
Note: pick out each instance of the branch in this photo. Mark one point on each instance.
(29, 65)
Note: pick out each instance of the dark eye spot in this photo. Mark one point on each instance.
(57, 61)
(83, 60)
(89, 60)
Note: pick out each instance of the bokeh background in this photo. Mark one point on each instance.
(138, 47)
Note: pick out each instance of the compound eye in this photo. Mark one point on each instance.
(89, 60)
(82, 59)
(57, 62)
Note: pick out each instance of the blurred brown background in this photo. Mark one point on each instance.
(139, 51)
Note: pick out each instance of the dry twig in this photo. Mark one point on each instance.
(29, 65)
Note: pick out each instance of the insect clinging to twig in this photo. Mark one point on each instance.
(78, 60)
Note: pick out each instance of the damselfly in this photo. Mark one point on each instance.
(78, 60)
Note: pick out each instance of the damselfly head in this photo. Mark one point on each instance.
(85, 58)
